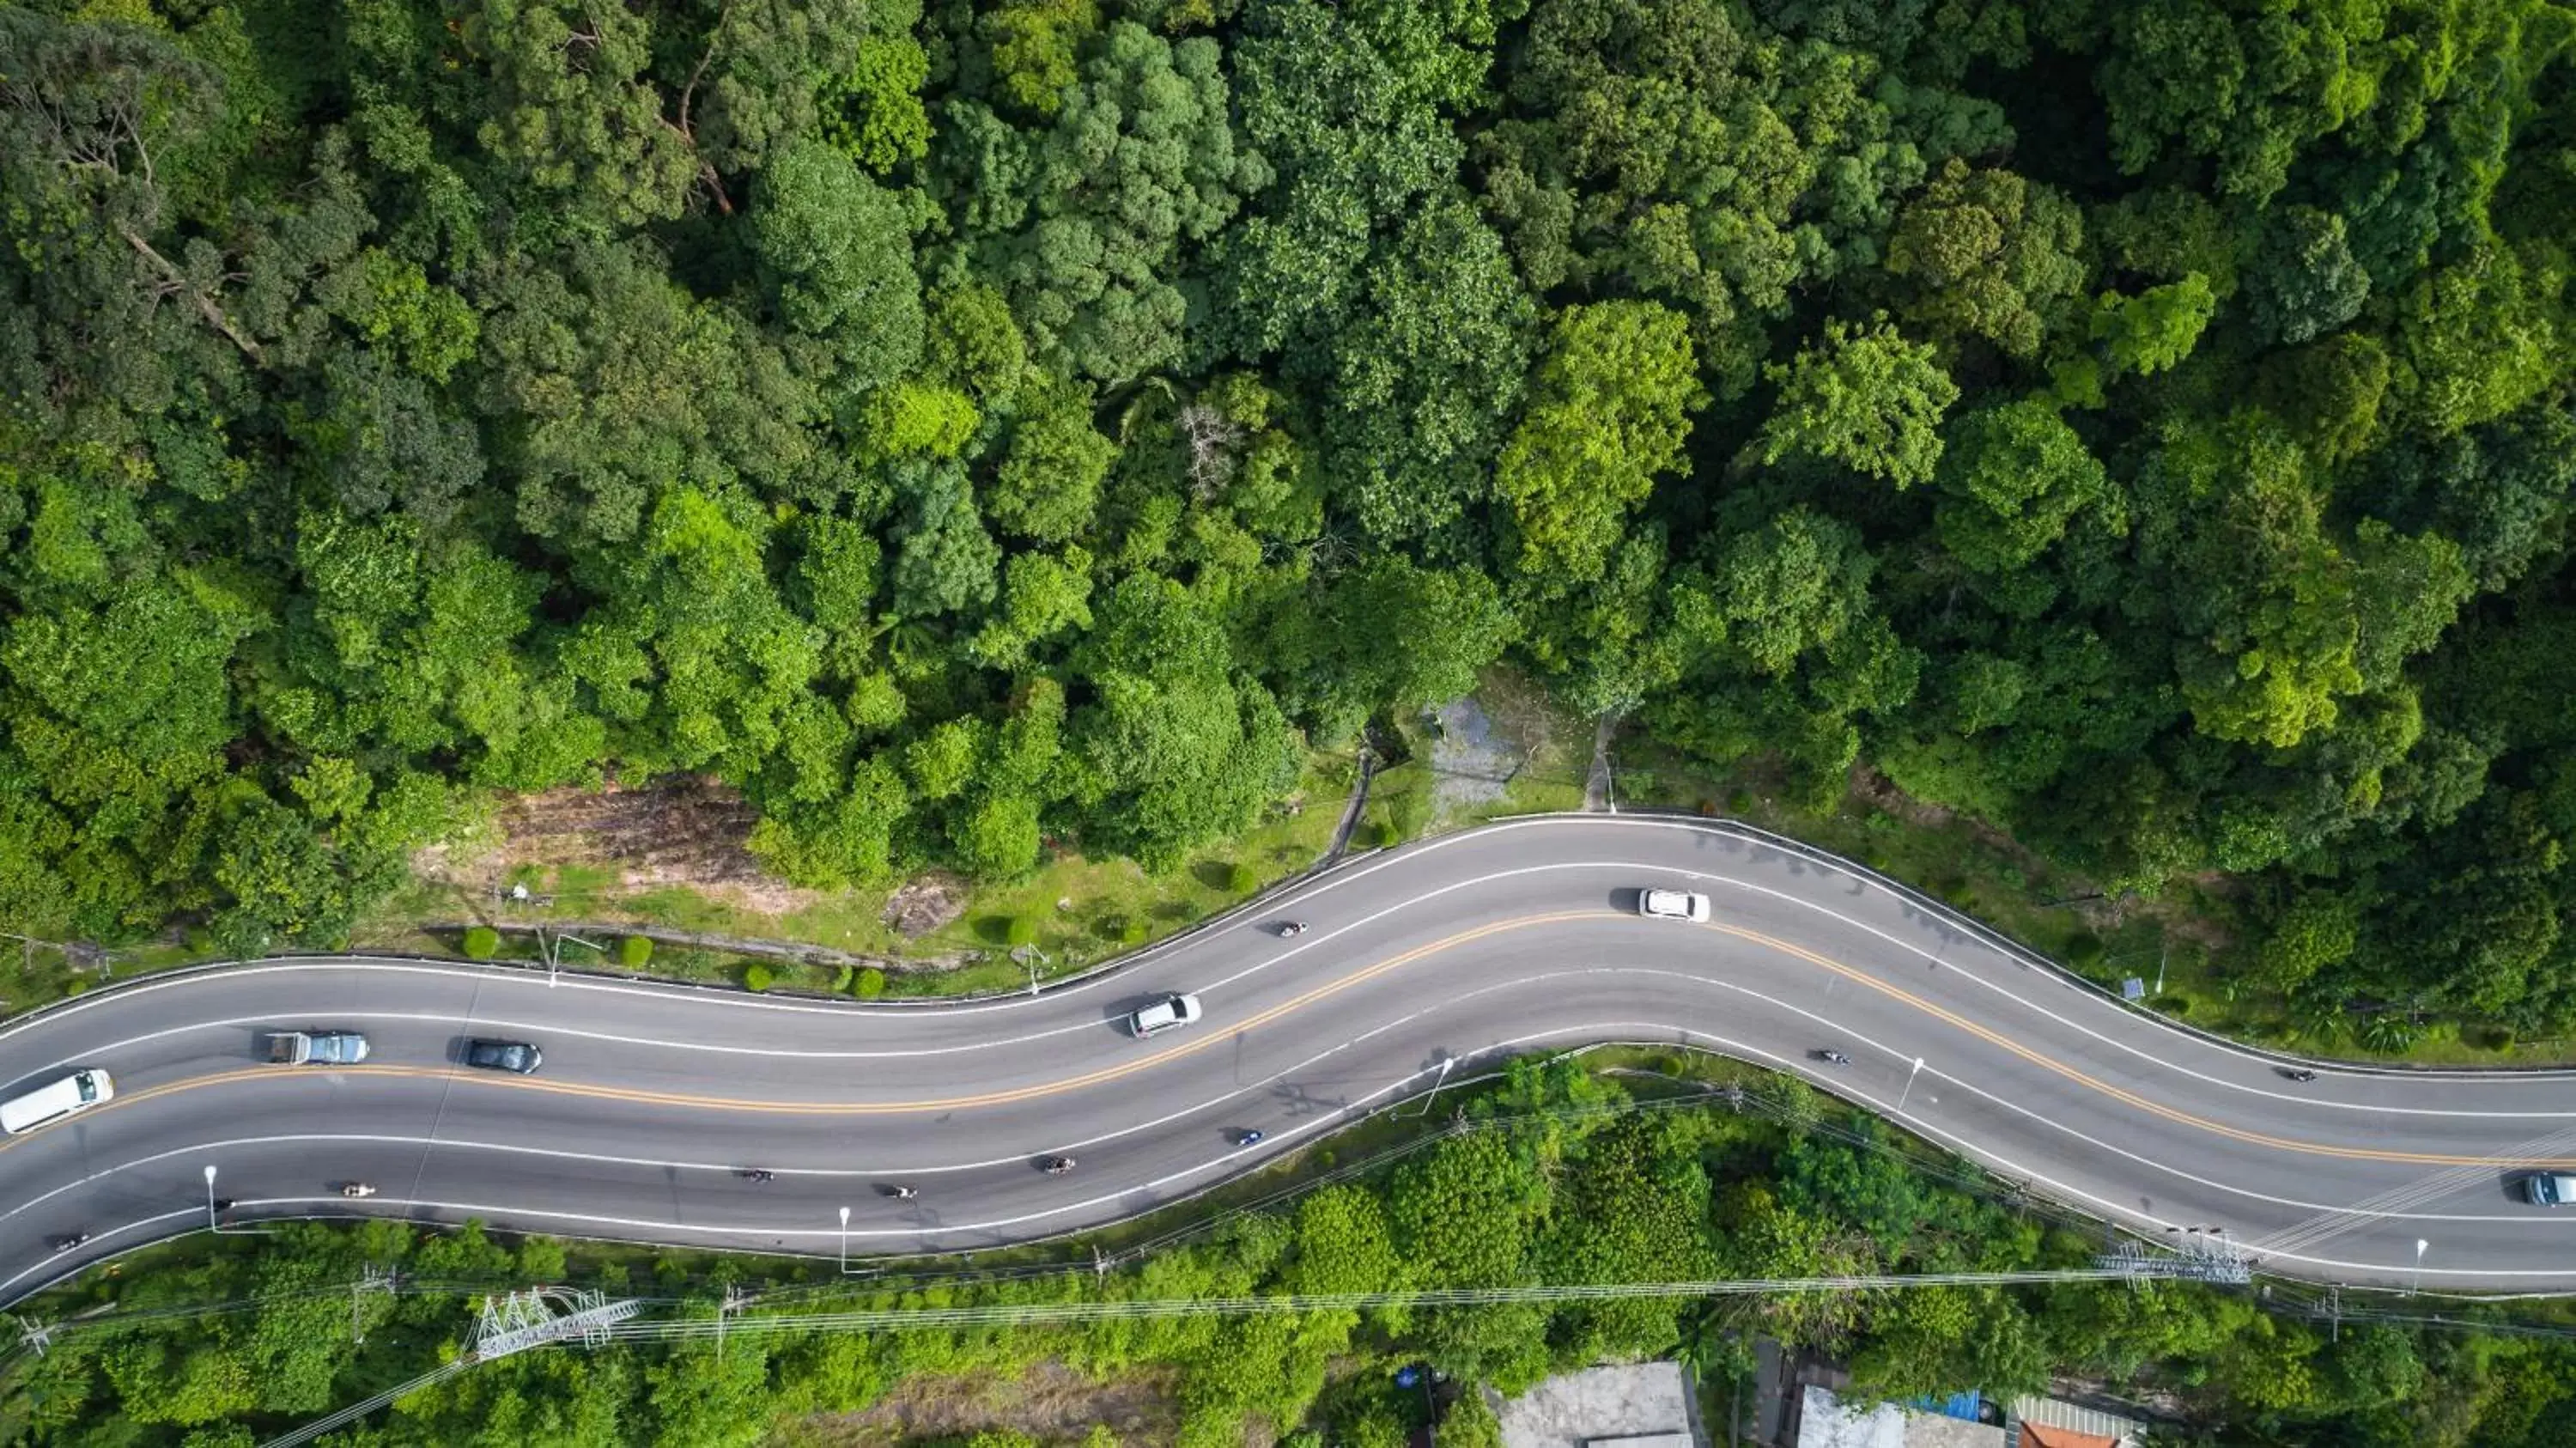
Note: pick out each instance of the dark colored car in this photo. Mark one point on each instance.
(516, 1056)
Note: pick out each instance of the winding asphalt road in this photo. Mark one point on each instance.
(1520, 936)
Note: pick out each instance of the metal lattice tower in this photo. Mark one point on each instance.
(2195, 1254)
(34, 1334)
(528, 1319)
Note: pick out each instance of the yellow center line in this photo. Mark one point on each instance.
(2121, 1094)
(1211, 1040)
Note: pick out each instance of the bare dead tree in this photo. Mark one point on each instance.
(1213, 438)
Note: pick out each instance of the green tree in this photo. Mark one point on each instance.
(2303, 281)
(1176, 747)
(2012, 477)
(1609, 410)
(944, 560)
(1424, 375)
(1140, 159)
(841, 250)
(1048, 485)
(1033, 45)
(1865, 399)
(2145, 334)
(873, 111)
(1988, 254)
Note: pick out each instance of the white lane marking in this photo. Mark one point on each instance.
(1284, 958)
(1986, 953)
(1587, 1031)
(1834, 1082)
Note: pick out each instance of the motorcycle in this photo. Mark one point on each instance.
(65, 1244)
(1290, 930)
(905, 1194)
(357, 1189)
(756, 1174)
(1833, 1058)
(1056, 1165)
(1247, 1138)
(2299, 1073)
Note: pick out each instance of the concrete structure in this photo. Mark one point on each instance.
(1634, 1405)
(1825, 1421)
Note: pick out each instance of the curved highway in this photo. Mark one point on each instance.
(1518, 936)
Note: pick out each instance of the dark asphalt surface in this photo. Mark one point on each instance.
(1521, 936)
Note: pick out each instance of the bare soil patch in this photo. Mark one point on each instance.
(1050, 1402)
(1472, 760)
(678, 830)
(926, 902)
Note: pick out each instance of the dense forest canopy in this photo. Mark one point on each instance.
(2146, 426)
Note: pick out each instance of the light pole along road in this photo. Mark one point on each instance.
(1521, 936)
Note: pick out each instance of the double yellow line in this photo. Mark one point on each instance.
(1210, 1040)
(2127, 1097)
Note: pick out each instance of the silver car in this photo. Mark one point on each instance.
(2549, 1188)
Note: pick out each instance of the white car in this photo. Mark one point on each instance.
(1672, 905)
(1169, 1013)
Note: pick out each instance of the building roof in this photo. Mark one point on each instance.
(2040, 1435)
(1602, 1405)
(2059, 1413)
(1825, 1421)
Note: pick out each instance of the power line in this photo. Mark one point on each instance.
(1032, 1314)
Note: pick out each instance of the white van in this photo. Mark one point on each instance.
(78, 1091)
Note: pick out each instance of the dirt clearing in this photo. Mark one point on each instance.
(1050, 1402)
(681, 830)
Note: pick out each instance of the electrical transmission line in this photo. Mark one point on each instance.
(1037, 1314)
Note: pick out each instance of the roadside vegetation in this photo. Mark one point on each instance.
(1553, 1175)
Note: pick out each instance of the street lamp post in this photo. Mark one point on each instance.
(1445, 1063)
(845, 1241)
(1909, 1083)
(2420, 1245)
(212, 1223)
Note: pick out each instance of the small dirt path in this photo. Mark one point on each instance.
(1597, 797)
(1358, 803)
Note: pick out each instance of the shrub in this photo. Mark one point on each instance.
(2172, 1005)
(870, 984)
(1739, 799)
(482, 942)
(2489, 1038)
(1387, 835)
(1022, 930)
(634, 952)
(757, 976)
(1240, 879)
(1134, 931)
(2084, 951)
(841, 983)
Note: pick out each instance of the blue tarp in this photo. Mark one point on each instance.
(1958, 1405)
